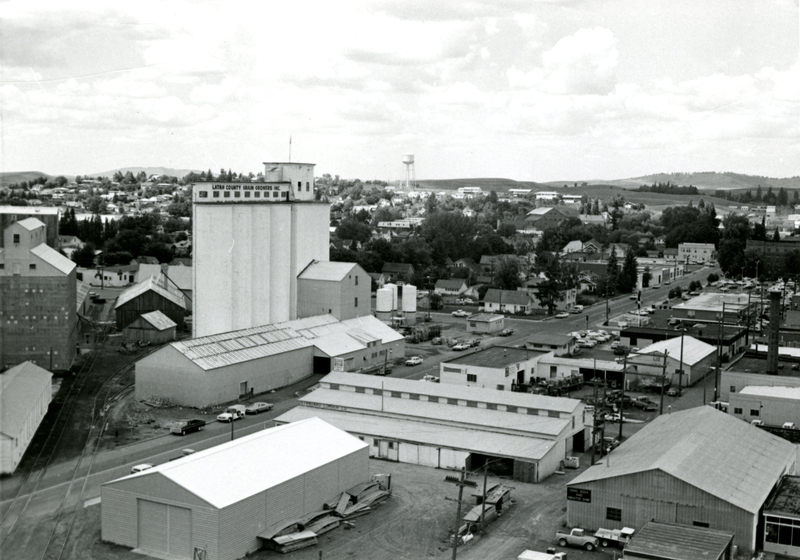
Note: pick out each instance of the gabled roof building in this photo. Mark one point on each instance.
(221, 368)
(25, 394)
(182, 508)
(449, 426)
(38, 295)
(697, 467)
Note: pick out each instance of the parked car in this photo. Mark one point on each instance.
(140, 468)
(562, 315)
(461, 346)
(258, 408)
(615, 344)
(621, 350)
(644, 403)
(436, 341)
(578, 307)
(506, 332)
(430, 378)
(414, 361)
(475, 342)
(460, 313)
(673, 392)
(610, 443)
(183, 427)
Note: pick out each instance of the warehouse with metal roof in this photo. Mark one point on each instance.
(25, 394)
(521, 435)
(698, 359)
(218, 504)
(221, 368)
(698, 467)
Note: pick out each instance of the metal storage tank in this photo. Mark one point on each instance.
(409, 303)
(393, 288)
(383, 305)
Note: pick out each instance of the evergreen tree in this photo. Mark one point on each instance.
(776, 236)
(627, 280)
(612, 273)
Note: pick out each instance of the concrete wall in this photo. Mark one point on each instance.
(246, 260)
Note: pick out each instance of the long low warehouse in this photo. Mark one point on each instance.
(448, 426)
(219, 504)
(221, 368)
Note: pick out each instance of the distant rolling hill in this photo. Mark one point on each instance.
(12, 177)
(148, 170)
(710, 181)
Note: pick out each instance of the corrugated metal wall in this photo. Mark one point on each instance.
(654, 495)
(238, 526)
(120, 512)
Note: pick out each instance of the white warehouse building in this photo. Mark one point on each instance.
(222, 368)
(519, 435)
(774, 406)
(221, 503)
(25, 394)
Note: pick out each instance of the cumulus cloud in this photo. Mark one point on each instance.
(581, 63)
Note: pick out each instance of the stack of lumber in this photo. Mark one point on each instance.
(294, 541)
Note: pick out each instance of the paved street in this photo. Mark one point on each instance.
(524, 327)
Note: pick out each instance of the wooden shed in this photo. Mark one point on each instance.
(152, 294)
(153, 327)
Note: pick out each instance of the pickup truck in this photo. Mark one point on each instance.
(578, 538)
(617, 537)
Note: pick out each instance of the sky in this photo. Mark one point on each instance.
(532, 90)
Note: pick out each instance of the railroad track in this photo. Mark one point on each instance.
(49, 536)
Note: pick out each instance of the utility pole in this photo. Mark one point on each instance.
(622, 399)
(680, 371)
(461, 482)
(663, 379)
(606, 323)
(719, 351)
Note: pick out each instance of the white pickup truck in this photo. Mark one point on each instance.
(578, 538)
(616, 537)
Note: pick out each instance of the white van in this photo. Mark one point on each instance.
(140, 468)
(789, 426)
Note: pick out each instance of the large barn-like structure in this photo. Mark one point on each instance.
(219, 504)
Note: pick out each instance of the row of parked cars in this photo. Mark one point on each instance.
(590, 339)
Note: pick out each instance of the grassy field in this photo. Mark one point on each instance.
(603, 192)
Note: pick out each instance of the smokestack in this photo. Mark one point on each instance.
(774, 329)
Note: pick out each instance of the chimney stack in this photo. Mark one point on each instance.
(774, 330)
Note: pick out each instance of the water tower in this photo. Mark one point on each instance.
(408, 161)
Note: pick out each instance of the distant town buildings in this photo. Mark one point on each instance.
(696, 252)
